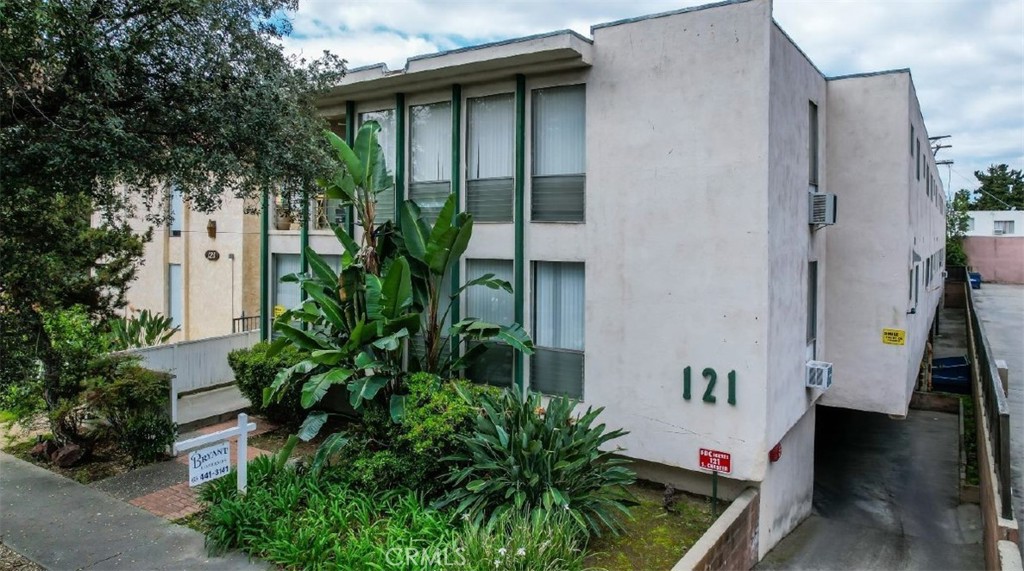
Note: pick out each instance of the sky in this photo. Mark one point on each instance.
(966, 56)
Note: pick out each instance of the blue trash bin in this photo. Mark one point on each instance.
(975, 278)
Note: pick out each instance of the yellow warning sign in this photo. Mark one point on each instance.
(279, 311)
(894, 337)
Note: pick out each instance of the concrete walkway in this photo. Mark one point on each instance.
(61, 524)
(1001, 310)
(885, 497)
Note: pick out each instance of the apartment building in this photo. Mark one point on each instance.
(663, 198)
(995, 245)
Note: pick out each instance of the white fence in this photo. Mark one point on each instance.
(196, 364)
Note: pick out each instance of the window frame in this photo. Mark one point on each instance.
(532, 175)
(534, 273)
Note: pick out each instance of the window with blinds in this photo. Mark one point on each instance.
(175, 295)
(176, 211)
(430, 151)
(495, 306)
(490, 154)
(556, 366)
(559, 154)
(812, 144)
(387, 139)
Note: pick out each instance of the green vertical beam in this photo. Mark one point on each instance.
(350, 138)
(399, 155)
(456, 176)
(304, 239)
(265, 267)
(520, 202)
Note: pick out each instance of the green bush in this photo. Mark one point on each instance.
(523, 456)
(407, 454)
(299, 521)
(134, 401)
(254, 371)
(515, 541)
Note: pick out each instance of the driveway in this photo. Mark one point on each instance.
(1001, 310)
(885, 497)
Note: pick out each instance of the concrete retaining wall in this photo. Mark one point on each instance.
(731, 542)
(999, 259)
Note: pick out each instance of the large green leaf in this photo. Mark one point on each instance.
(330, 448)
(312, 425)
(365, 389)
(398, 407)
(317, 385)
(414, 231)
(391, 342)
(367, 150)
(298, 337)
(397, 288)
(374, 297)
(322, 269)
(486, 280)
(444, 221)
(347, 155)
(330, 308)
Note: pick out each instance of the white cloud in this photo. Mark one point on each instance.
(966, 56)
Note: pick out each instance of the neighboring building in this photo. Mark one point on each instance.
(649, 193)
(995, 245)
(201, 270)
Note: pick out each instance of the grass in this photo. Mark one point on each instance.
(196, 522)
(653, 538)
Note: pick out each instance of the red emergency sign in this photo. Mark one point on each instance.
(716, 460)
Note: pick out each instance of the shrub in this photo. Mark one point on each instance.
(134, 402)
(254, 371)
(301, 522)
(524, 456)
(515, 541)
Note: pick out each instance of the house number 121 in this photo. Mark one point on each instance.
(709, 392)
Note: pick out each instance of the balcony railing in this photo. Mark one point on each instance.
(245, 323)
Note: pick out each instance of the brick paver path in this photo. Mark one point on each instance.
(180, 500)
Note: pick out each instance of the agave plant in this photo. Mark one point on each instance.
(147, 329)
(525, 456)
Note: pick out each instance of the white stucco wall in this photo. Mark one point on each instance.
(787, 492)
(984, 222)
(792, 242)
(885, 216)
(675, 238)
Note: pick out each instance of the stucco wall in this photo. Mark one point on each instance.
(675, 238)
(214, 291)
(884, 218)
(788, 487)
(792, 242)
(999, 259)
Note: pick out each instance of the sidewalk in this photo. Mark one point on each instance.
(62, 524)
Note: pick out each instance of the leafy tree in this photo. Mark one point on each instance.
(999, 188)
(107, 101)
(956, 228)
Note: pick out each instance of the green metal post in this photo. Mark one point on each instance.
(714, 494)
(399, 155)
(456, 176)
(520, 261)
(265, 267)
(350, 138)
(304, 239)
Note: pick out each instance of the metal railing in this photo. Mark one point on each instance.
(997, 407)
(245, 323)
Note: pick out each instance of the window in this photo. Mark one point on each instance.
(812, 302)
(286, 295)
(175, 295)
(910, 281)
(430, 144)
(927, 272)
(177, 212)
(495, 306)
(812, 140)
(490, 150)
(558, 328)
(386, 137)
(559, 154)
(917, 283)
(918, 162)
(970, 223)
(912, 139)
(1003, 226)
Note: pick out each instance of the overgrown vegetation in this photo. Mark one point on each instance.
(143, 330)
(255, 371)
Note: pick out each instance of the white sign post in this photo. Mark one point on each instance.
(213, 462)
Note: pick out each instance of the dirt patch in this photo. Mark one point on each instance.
(274, 440)
(11, 560)
(654, 538)
(105, 460)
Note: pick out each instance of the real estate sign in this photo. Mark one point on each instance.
(209, 464)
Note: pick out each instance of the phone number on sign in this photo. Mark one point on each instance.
(210, 474)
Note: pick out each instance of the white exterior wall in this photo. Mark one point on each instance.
(984, 222)
(885, 216)
(677, 161)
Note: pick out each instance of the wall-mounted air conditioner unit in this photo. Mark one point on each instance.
(998, 232)
(822, 208)
(819, 375)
